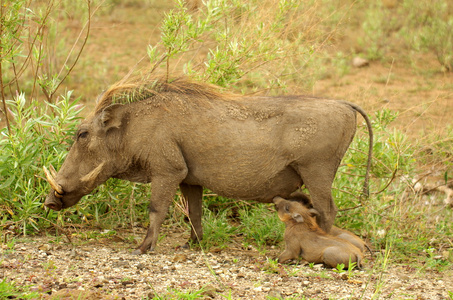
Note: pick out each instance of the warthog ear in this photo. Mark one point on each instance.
(297, 217)
(111, 117)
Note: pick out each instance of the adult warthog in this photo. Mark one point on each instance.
(188, 135)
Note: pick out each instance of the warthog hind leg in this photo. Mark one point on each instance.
(194, 194)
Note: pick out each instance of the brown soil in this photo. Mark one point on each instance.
(104, 268)
(424, 98)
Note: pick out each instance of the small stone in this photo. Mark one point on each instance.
(210, 291)
(354, 281)
(258, 289)
(359, 62)
(45, 247)
(275, 294)
(317, 267)
(127, 282)
(121, 264)
(73, 253)
(180, 258)
(396, 285)
(215, 250)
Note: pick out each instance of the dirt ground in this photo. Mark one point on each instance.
(104, 268)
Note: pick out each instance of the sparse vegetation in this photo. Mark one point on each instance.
(11, 291)
(270, 47)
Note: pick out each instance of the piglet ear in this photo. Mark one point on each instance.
(314, 212)
(297, 217)
(277, 200)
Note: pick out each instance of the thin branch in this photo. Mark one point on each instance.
(30, 47)
(350, 208)
(5, 110)
(68, 236)
(39, 32)
(88, 26)
(388, 183)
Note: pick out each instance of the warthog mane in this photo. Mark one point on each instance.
(160, 90)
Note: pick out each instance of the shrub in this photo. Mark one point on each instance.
(39, 135)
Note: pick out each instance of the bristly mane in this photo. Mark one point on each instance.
(157, 88)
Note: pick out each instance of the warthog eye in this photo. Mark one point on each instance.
(287, 207)
(82, 135)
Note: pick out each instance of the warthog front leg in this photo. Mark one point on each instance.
(163, 191)
(292, 250)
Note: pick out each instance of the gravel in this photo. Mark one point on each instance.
(104, 268)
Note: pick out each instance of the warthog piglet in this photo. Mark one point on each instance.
(335, 231)
(303, 237)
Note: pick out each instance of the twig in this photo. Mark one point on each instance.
(388, 183)
(1, 75)
(88, 26)
(68, 236)
(40, 30)
(350, 208)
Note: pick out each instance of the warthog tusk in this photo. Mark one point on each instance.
(52, 171)
(93, 174)
(53, 183)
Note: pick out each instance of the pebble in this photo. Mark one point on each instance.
(73, 253)
(44, 247)
(318, 267)
(359, 62)
(98, 272)
(275, 295)
(179, 258)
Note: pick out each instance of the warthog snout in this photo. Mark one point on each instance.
(53, 203)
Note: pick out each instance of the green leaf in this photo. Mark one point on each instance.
(8, 182)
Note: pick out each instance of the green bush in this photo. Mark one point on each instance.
(235, 43)
(40, 134)
(429, 27)
(394, 215)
